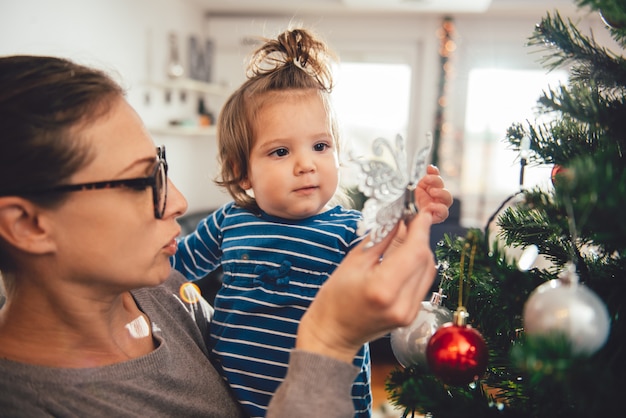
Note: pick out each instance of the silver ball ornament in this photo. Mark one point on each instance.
(564, 306)
(409, 343)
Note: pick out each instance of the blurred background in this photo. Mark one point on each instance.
(456, 68)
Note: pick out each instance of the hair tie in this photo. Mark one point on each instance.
(299, 64)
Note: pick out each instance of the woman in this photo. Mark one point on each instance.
(95, 323)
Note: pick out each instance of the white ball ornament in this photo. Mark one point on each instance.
(409, 343)
(564, 306)
(527, 258)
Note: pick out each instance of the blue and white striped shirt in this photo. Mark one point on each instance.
(273, 268)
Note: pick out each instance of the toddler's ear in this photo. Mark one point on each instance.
(245, 184)
(21, 226)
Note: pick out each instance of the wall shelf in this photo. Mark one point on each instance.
(189, 85)
(208, 131)
(182, 86)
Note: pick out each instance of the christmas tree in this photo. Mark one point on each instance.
(555, 331)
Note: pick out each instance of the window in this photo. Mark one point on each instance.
(496, 99)
(372, 99)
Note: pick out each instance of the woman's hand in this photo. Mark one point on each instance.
(373, 291)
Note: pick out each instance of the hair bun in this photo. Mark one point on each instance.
(292, 51)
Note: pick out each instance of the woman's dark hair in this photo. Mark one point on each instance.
(44, 101)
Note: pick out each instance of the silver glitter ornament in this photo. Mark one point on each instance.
(563, 306)
(409, 343)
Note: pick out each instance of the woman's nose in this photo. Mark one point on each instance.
(176, 203)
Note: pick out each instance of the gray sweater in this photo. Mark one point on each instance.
(175, 380)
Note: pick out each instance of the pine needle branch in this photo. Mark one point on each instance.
(565, 45)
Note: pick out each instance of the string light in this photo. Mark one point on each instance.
(447, 46)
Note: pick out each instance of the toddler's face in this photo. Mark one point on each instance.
(293, 169)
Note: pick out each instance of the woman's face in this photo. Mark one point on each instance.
(110, 238)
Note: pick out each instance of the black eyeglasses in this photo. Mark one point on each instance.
(157, 181)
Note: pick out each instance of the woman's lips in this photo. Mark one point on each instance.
(171, 247)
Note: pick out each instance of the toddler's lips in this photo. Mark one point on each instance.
(306, 189)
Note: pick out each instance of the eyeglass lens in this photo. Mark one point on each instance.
(161, 189)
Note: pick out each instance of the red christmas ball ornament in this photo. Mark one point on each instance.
(557, 172)
(457, 353)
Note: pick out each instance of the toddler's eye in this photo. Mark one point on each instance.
(281, 152)
(321, 146)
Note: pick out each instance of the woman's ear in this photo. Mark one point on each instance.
(21, 226)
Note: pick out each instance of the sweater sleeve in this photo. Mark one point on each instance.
(199, 253)
(315, 386)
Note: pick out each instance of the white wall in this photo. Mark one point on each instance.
(129, 38)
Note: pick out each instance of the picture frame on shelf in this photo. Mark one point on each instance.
(200, 59)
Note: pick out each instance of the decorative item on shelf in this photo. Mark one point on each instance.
(205, 118)
(174, 68)
(457, 353)
(200, 59)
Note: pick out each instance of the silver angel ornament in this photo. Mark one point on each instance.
(389, 185)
